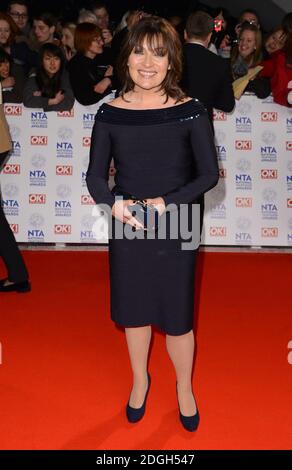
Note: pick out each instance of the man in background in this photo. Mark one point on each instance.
(206, 76)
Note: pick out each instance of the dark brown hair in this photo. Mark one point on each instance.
(84, 35)
(14, 30)
(154, 29)
(199, 25)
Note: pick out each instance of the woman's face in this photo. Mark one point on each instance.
(251, 18)
(4, 32)
(147, 67)
(4, 69)
(51, 64)
(102, 17)
(67, 38)
(19, 14)
(275, 41)
(96, 46)
(42, 31)
(247, 43)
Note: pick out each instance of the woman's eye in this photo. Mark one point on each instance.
(138, 51)
(160, 52)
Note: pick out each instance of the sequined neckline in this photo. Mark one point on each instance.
(138, 117)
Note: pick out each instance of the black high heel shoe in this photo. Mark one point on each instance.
(135, 414)
(190, 423)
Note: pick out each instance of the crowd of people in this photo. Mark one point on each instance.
(171, 161)
(48, 61)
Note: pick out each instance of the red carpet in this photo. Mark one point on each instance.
(65, 374)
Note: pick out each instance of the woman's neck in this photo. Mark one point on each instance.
(146, 98)
(90, 55)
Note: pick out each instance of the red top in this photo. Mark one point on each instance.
(275, 68)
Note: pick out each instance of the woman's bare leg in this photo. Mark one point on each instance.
(138, 341)
(181, 351)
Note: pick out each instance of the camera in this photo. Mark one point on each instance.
(218, 25)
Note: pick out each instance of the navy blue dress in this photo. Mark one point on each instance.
(169, 153)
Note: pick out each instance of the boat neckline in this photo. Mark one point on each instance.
(151, 109)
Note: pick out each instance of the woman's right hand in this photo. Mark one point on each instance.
(121, 212)
(57, 99)
(109, 71)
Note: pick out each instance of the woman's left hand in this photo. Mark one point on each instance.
(158, 203)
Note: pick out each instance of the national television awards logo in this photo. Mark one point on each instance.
(217, 205)
(243, 233)
(15, 133)
(220, 138)
(289, 175)
(268, 148)
(35, 231)
(64, 146)
(10, 202)
(87, 224)
(37, 173)
(38, 119)
(243, 180)
(243, 122)
(63, 205)
(88, 120)
(269, 208)
(289, 124)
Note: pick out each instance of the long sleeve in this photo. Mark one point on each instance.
(205, 164)
(31, 101)
(16, 94)
(83, 82)
(224, 98)
(68, 100)
(99, 163)
(269, 66)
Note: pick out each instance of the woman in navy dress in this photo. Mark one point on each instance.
(162, 145)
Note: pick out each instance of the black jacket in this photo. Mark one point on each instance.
(84, 74)
(207, 77)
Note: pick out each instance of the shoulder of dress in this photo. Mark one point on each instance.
(196, 110)
(100, 114)
(198, 105)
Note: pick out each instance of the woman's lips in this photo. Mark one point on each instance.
(146, 74)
